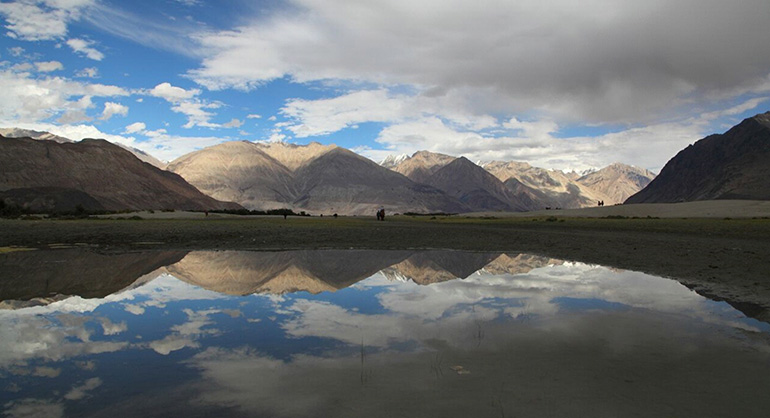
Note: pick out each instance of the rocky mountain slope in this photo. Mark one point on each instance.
(238, 171)
(733, 165)
(550, 188)
(420, 166)
(47, 136)
(92, 169)
(314, 178)
(617, 181)
(474, 187)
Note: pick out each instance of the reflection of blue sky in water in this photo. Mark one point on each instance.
(569, 329)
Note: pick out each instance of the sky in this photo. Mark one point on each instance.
(561, 84)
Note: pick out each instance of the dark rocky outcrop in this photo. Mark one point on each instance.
(733, 165)
(58, 173)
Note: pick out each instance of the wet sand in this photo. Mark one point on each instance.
(723, 259)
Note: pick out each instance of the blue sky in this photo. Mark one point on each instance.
(568, 85)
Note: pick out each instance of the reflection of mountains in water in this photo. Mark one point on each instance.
(44, 274)
(26, 275)
(246, 272)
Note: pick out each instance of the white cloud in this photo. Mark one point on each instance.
(196, 113)
(90, 72)
(84, 47)
(173, 94)
(111, 109)
(16, 51)
(37, 20)
(184, 102)
(234, 123)
(534, 142)
(48, 66)
(597, 61)
(135, 127)
(30, 100)
(324, 116)
(253, 116)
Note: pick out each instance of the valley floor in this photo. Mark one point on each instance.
(721, 258)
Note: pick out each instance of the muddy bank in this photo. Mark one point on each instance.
(724, 259)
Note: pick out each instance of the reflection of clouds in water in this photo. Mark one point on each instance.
(164, 289)
(453, 307)
(81, 391)
(188, 333)
(57, 331)
(26, 337)
(50, 408)
(34, 408)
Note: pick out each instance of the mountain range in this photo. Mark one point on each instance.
(314, 178)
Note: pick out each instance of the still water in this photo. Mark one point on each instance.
(366, 333)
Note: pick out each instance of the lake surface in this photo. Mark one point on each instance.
(366, 333)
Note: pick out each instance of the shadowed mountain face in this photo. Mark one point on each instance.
(733, 165)
(47, 136)
(344, 182)
(107, 173)
(475, 187)
(41, 274)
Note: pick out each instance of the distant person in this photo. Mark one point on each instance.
(379, 214)
(382, 214)
(284, 215)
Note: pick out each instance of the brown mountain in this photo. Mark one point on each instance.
(238, 171)
(107, 173)
(342, 181)
(294, 156)
(421, 165)
(733, 165)
(475, 187)
(550, 188)
(617, 181)
(47, 136)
